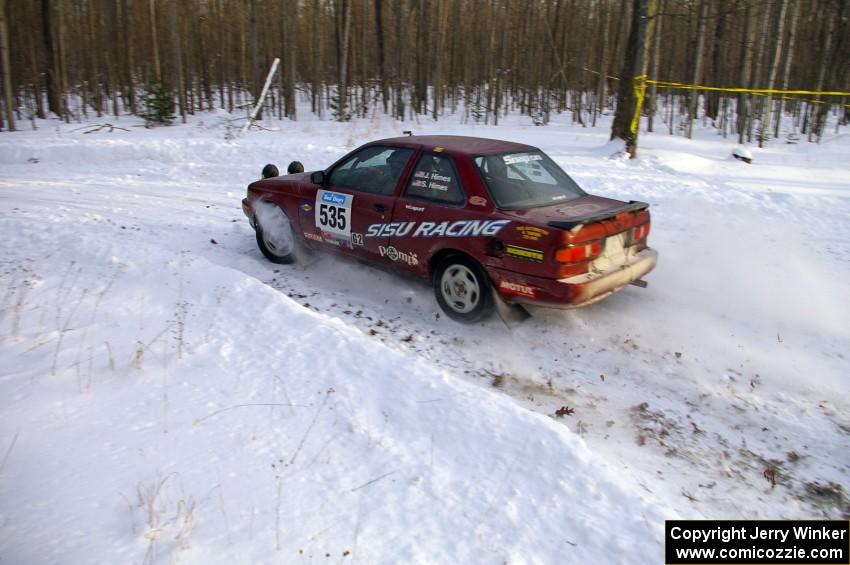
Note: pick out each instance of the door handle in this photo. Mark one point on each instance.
(379, 207)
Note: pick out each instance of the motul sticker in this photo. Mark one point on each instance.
(517, 289)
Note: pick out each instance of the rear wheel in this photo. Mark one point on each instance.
(462, 289)
(274, 234)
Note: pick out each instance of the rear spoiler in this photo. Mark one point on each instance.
(632, 206)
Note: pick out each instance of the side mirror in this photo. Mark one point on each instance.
(318, 177)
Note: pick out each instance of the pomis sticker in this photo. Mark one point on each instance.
(394, 254)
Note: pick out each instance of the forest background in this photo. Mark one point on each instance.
(164, 59)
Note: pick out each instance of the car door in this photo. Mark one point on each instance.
(431, 208)
(357, 197)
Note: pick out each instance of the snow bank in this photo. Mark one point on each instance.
(166, 407)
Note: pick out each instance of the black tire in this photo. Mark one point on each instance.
(463, 289)
(278, 245)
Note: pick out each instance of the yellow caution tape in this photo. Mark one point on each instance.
(640, 83)
(683, 86)
(640, 91)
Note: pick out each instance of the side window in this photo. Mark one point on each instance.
(434, 178)
(375, 170)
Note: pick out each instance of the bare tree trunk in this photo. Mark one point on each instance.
(792, 35)
(771, 81)
(379, 37)
(718, 59)
(155, 42)
(756, 78)
(293, 52)
(633, 65)
(7, 69)
(314, 61)
(177, 40)
(697, 75)
(34, 70)
(342, 88)
(744, 78)
(656, 58)
(255, 69)
(95, 83)
(53, 74)
(818, 118)
(602, 79)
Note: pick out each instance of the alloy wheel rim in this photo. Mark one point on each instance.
(460, 289)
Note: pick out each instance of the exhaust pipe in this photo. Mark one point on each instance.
(640, 283)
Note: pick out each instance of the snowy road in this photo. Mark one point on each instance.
(145, 342)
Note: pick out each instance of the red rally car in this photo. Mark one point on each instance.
(484, 220)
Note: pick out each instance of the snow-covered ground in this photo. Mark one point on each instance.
(168, 395)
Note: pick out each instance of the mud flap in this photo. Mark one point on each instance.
(511, 314)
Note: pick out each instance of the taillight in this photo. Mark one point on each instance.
(640, 232)
(578, 252)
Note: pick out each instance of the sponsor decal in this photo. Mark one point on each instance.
(333, 198)
(579, 209)
(414, 208)
(394, 254)
(438, 150)
(326, 238)
(333, 213)
(524, 253)
(477, 201)
(305, 206)
(518, 289)
(391, 229)
(531, 232)
(460, 228)
(357, 239)
(511, 159)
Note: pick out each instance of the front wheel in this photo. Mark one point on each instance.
(462, 289)
(274, 234)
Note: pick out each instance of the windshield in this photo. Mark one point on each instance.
(526, 180)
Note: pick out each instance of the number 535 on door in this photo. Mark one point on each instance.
(333, 213)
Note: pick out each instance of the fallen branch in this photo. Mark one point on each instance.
(262, 97)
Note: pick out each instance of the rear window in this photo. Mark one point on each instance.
(529, 179)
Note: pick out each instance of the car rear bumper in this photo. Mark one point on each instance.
(573, 292)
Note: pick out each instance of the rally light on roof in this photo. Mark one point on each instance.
(579, 252)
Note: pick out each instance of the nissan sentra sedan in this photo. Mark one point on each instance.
(485, 221)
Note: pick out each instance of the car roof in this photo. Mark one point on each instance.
(457, 144)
